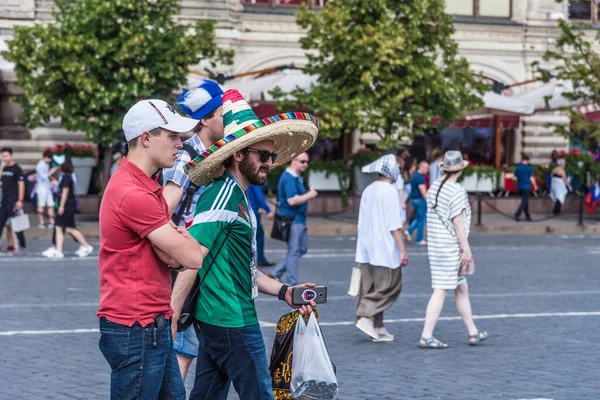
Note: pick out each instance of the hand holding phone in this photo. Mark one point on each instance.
(304, 295)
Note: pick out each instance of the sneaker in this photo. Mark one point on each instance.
(266, 264)
(56, 254)
(384, 335)
(42, 226)
(84, 251)
(366, 325)
(422, 243)
(50, 226)
(407, 237)
(48, 251)
(10, 249)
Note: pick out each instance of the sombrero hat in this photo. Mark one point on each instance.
(292, 134)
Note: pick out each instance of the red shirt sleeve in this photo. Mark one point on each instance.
(142, 212)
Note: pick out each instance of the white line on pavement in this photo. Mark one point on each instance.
(264, 324)
(266, 298)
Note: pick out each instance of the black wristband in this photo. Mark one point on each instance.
(282, 291)
(180, 268)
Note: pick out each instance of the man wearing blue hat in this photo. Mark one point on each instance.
(203, 103)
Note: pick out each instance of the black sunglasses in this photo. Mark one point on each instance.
(264, 154)
(303, 161)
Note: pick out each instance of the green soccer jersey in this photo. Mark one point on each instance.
(225, 298)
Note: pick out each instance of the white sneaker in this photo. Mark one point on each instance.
(56, 254)
(384, 335)
(48, 251)
(366, 325)
(84, 251)
(407, 237)
(422, 243)
(42, 226)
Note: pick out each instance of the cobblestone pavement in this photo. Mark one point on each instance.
(537, 295)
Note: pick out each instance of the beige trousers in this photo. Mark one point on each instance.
(379, 289)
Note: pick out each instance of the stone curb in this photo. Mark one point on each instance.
(346, 229)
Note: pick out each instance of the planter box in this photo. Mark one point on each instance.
(83, 173)
(472, 183)
(320, 181)
(363, 180)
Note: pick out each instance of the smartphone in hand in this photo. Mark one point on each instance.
(302, 296)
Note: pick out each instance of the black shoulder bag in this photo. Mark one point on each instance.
(282, 226)
(188, 311)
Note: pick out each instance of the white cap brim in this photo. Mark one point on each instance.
(180, 124)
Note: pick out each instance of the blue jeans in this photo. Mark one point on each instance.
(297, 247)
(260, 241)
(186, 343)
(228, 355)
(142, 361)
(419, 223)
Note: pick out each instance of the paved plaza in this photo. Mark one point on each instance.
(537, 295)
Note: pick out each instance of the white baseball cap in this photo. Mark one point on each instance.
(147, 115)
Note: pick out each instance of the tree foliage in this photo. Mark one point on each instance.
(383, 66)
(101, 56)
(575, 58)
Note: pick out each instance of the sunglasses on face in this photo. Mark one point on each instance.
(303, 161)
(264, 155)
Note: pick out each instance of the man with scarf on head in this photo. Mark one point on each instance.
(380, 249)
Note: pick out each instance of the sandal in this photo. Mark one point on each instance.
(432, 343)
(475, 339)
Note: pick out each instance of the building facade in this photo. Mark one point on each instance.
(500, 39)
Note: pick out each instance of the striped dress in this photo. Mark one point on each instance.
(442, 244)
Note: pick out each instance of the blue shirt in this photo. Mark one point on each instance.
(291, 186)
(415, 193)
(523, 173)
(257, 199)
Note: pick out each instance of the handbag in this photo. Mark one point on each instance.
(282, 226)
(354, 281)
(20, 221)
(188, 311)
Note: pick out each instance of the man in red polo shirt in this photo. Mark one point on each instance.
(138, 244)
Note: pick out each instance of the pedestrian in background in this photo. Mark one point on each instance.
(560, 186)
(116, 162)
(66, 208)
(399, 185)
(435, 172)
(260, 206)
(203, 103)
(380, 250)
(450, 258)
(293, 203)
(43, 190)
(525, 182)
(418, 194)
(13, 194)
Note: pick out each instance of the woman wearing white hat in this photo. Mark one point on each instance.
(450, 258)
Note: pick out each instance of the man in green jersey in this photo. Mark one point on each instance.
(231, 346)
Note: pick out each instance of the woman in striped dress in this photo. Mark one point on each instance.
(450, 259)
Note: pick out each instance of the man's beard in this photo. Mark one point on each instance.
(248, 171)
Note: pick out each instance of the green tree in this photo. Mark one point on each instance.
(576, 60)
(101, 56)
(383, 66)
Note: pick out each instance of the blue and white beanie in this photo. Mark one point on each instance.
(385, 165)
(201, 100)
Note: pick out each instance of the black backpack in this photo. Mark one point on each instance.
(189, 194)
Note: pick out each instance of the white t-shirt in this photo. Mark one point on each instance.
(378, 216)
(42, 170)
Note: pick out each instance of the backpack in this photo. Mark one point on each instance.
(189, 194)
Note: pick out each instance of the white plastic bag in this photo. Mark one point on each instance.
(354, 282)
(312, 372)
(20, 222)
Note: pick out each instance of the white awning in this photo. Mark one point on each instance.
(497, 104)
(258, 89)
(552, 90)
